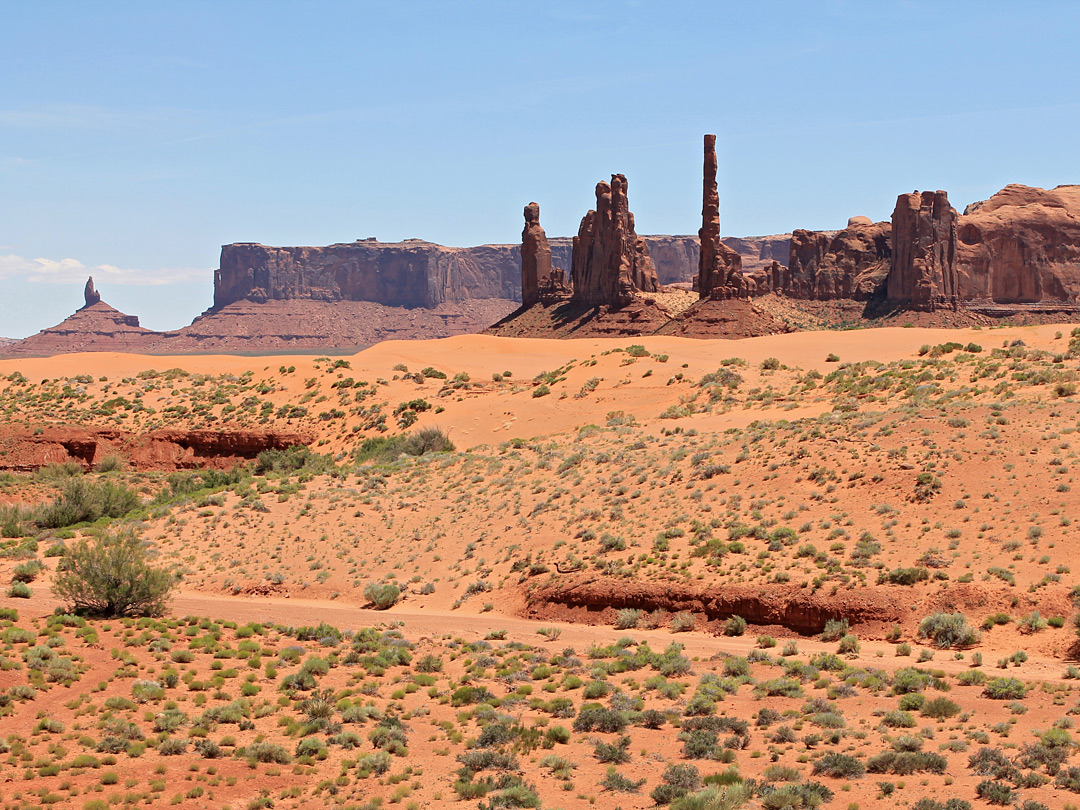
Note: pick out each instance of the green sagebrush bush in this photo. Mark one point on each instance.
(112, 577)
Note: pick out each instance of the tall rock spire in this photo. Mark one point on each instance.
(535, 256)
(719, 267)
(90, 295)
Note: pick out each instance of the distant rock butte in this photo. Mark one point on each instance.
(413, 273)
(95, 327)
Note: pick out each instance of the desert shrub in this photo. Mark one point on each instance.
(1069, 778)
(382, 595)
(715, 797)
(903, 576)
(835, 629)
(26, 572)
(19, 590)
(940, 708)
(110, 463)
(840, 766)
(926, 803)
(905, 763)
(627, 619)
(948, 630)
(1032, 623)
(112, 577)
(594, 717)
(849, 644)
(912, 701)
(616, 753)
(910, 679)
(793, 796)
(899, 719)
(267, 752)
(1004, 689)
(786, 687)
(388, 448)
(288, 461)
(676, 781)
(617, 783)
(84, 500)
(682, 622)
(172, 747)
(994, 792)
(735, 626)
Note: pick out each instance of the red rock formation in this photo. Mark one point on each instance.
(303, 324)
(535, 257)
(90, 295)
(828, 265)
(610, 261)
(413, 273)
(1021, 246)
(96, 327)
(922, 273)
(719, 267)
(170, 449)
(758, 253)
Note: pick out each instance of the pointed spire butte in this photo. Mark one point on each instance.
(91, 295)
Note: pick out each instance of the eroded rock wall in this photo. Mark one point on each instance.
(610, 261)
(830, 265)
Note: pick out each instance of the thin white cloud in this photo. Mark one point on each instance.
(73, 271)
(80, 117)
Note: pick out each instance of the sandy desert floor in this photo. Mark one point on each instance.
(648, 567)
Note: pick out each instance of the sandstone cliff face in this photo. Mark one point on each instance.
(535, 256)
(168, 449)
(610, 261)
(404, 274)
(759, 252)
(922, 273)
(1021, 246)
(828, 265)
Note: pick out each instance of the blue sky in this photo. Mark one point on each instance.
(137, 138)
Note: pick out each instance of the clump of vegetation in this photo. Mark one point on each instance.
(389, 448)
(947, 630)
(382, 595)
(85, 500)
(112, 577)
